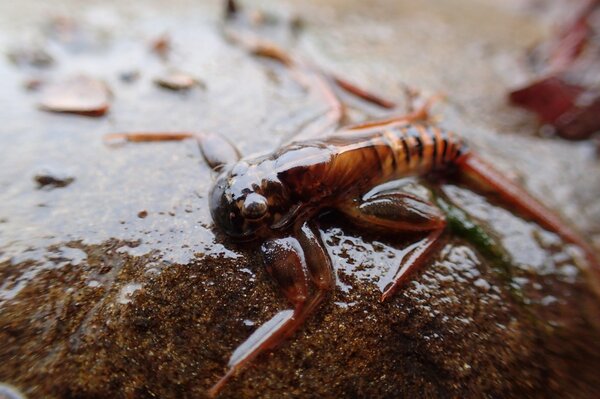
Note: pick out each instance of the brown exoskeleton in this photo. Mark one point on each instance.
(274, 198)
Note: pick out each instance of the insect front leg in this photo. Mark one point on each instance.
(399, 212)
(293, 262)
(236, 30)
(415, 113)
(308, 76)
(216, 149)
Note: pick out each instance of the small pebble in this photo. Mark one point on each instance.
(178, 81)
(80, 95)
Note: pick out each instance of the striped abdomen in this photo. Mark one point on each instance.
(351, 162)
(394, 152)
(414, 149)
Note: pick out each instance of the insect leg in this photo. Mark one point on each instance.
(394, 211)
(420, 114)
(317, 259)
(216, 149)
(362, 93)
(262, 47)
(306, 75)
(399, 212)
(291, 262)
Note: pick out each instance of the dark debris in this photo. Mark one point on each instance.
(49, 178)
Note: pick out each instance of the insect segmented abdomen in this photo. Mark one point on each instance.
(421, 148)
(351, 162)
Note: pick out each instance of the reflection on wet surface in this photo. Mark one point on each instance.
(116, 281)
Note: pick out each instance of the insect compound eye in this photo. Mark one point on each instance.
(255, 206)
